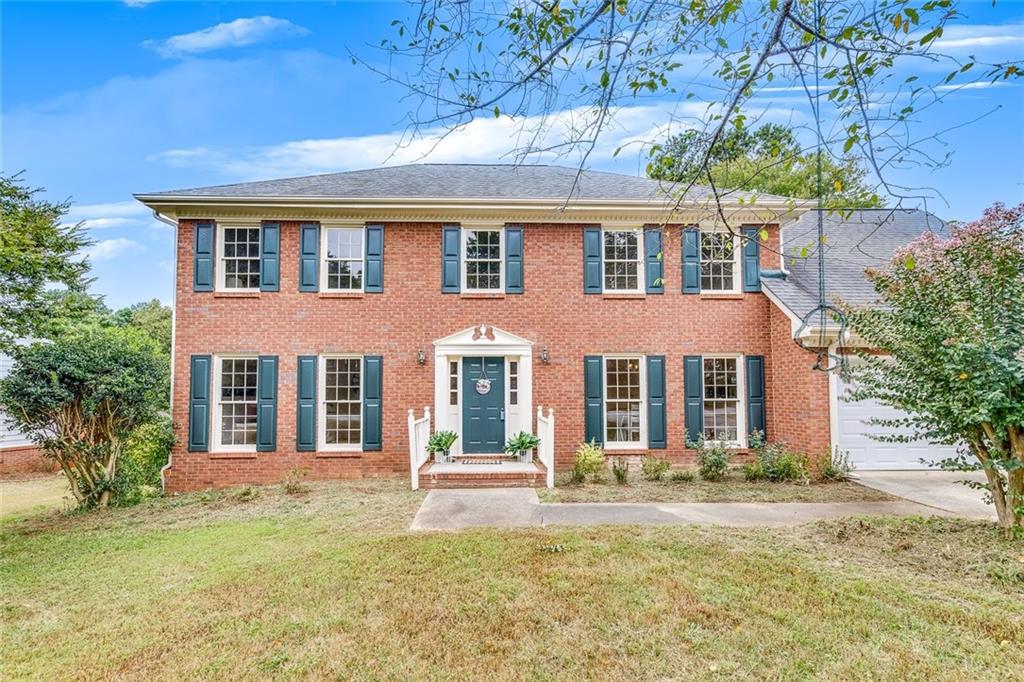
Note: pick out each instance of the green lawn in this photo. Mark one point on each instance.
(330, 584)
(731, 489)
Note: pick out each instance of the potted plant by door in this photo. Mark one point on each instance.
(522, 445)
(440, 444)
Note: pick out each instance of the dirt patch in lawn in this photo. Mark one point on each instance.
(731, 489)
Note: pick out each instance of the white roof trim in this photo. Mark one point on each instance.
(482, 336)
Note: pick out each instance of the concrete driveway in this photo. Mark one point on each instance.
(938, 489)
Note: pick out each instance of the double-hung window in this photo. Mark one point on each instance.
(341, 399)
(239, 258)
(723, 414)
(343, 249)
(235, 393)
(483, 267)
(623, 402)
(719, 262)
(623, 260)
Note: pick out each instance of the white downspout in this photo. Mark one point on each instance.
(174, 327)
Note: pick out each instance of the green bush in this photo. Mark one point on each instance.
(780, 464)
(655, 468)
(145, 453)
(832, 465)
(712, 459)
(753, 471)
(620, 469)
(681, 476)
(589, 462)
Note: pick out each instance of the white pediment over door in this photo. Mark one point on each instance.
(483, 336)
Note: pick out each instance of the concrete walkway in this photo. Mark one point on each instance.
(520, 508)
(940, 489)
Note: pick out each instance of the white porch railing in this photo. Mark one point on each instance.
(546, 449)
(419, 433)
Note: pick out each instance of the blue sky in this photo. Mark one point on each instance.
(102, 99)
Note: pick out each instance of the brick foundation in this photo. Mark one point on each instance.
(24, 459)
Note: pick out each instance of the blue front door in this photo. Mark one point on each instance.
(483, 405)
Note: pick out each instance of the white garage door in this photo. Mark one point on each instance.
(854, 436)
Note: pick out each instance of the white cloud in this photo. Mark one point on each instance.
(978, 85)
(966, 37)
(117, 209)
(237, 33)
(483, 140)
(107, 249)
(138, 3)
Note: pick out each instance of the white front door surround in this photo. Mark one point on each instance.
(482, 341)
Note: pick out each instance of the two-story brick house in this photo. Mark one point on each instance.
(312, 313)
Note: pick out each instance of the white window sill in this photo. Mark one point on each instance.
(638, 445)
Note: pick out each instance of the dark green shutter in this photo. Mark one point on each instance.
(751, 259)
(266, 404)
(270, 257)
(691, 261)
(305, 419)
(372, 380)
(199, 403)
(202, 257)
(656, 432)
(514, 260)
(373, 276)
(593, 389)
(592, 260)
(755, 394)
(654, 260)
(693, 378)
(309, 257)
(451, 238)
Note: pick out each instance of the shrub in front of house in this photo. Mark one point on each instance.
(832, 465)
(654, 468)
(146, 452)
(620, 469)
(681, 476)
(712, 459)
(775, 462)
(589, 462)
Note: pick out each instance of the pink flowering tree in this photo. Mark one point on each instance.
(952, 325)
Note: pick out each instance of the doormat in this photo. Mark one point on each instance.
(487, 460)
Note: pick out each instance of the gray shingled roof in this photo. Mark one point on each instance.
(457, 181)
(868, 238)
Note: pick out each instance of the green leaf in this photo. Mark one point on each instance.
(606, 79)
(497, 112)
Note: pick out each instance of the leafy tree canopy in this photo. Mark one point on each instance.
(81, 396)
(953, 327)
(766, 160)
(151, 317)
(37, 253)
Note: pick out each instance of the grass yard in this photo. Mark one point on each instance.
(732, 489)
(19, 494)
(258, 583)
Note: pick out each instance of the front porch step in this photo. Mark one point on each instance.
(501, 474)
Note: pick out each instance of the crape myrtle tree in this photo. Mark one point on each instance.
(953, 328)
(564, 70)
(42, 274)
(82, 395)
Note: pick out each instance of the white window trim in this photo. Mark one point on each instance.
(641, 270)
(737, 272)
(221, 271)
(218, 362)
(324, 279)
(624, 445)
(741, 398)
(501, 260)
(321, 405)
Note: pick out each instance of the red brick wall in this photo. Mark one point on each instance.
(24, 459)
(797, 394)
(412, 312)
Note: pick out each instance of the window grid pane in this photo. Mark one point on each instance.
(622, 261)
(238, 401)
(483, 259)
(342, 401)
(453, 383)
(717, 263)
(344, 258)
(241, 258)
(513, 382)
(622, 400)
(721, 399)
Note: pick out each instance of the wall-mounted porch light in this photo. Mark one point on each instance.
(421, 357)
(545, 357)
